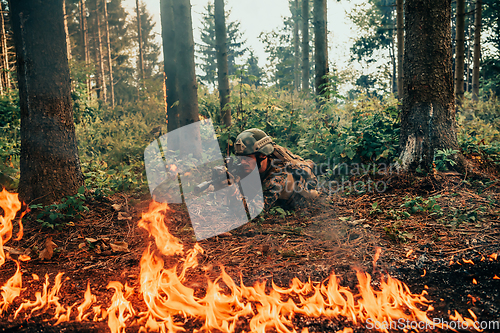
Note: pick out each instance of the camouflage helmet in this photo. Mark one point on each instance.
(253, 141)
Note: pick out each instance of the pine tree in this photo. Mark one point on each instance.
(206, 49)
(377, 25)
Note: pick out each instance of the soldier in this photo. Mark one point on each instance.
(287, 179)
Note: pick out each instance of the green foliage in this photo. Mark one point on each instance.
(64, 213)
(419, 204)
(10, 144)
(207, 48)
(276, 210)
(397, 235)
(443, 159)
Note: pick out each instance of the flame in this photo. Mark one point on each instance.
(493, 256)
(409, 253)
(10, 205)
(169, 302)
(474, 281)
(425, 272)
(11, 289)
(468, 261)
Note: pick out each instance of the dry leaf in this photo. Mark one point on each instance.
(13, 251)
(124, 216)
(119, 247)
(91, 240)
(117, 207)
(82, 245)
(48, 252)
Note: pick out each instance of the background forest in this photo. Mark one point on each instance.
(119, 93)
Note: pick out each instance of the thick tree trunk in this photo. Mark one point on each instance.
(49, 163)
(296, 42)
(477, 51)
(320, 46)
(186, 77)
(460, 52)
(5, 75)
(110, 62)
(100, 53)
(305, 46)
(222, 66)
(428, 114)
(66, 31)
(170, 67)
(139, 41)
(400, 30)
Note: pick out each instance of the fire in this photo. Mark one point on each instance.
(169, 302)
(10, 205)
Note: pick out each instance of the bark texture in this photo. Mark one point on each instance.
(49, 163)
(222, 64)
(100, 53)
(170, 67)
(5, 75)
(110, 62)
(139, 41)
(400, 32)
(477, 50)
(305, 46)
(428, 113)
(296, 47)
(320, 45)
(460, 51)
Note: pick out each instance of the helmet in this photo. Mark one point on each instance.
(253, 141)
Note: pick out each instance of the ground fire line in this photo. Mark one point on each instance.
(169, 302)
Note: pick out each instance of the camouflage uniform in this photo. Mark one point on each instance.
(287, 181)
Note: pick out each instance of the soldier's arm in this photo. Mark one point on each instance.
(272, 188)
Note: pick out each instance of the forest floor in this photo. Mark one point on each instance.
(447, 247)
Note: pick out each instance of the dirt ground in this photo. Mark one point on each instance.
(446, 247)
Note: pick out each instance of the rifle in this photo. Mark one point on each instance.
(228, 173)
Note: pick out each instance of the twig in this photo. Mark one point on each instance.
(469, 248)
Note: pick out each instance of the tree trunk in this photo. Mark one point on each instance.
(66, 31)
(222, 66)
(5, 76)
(320, 46)
(96, 54)
(468, 64)
(305, 46)
(110, 62)
(100, 53)
(170, 67)
(477, 51)
(186, 77)
(400, 29)
(85, 41)
(428, 113)
(49, 163)
(139, 41)
(296, 50)
(460, 52)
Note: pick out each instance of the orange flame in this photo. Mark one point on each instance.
(10, 205)
(468, 261)
(493, 256)
(169, 302)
